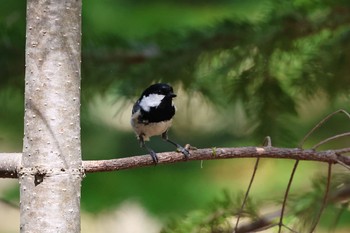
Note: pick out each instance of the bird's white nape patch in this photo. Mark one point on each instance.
(152, 100)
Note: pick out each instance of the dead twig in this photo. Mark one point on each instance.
(319, 124)
(247, 193)
(347, 134)
(280, 224)
(266, 142)
(325, 198)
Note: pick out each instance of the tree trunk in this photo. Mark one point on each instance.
(51, 172)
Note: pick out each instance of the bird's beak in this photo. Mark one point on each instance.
(172, 95)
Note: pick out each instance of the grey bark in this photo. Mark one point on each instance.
(51, 170)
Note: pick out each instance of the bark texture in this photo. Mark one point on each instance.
(8, 166)
(328, 156)
(51, 170)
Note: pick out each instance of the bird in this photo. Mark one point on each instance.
(152, 115)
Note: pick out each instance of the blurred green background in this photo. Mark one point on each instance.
(242, 69)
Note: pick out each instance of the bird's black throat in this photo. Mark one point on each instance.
(163, 112)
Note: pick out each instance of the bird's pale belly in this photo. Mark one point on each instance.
(151, 129)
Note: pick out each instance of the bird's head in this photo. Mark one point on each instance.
(155, 94)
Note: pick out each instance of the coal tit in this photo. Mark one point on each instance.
(152, 115)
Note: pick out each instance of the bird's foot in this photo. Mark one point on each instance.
(184, 151)
(154, 157)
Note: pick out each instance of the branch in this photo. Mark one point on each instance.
(328, 156)
(11, 162)
(325, 198)
(280, 224)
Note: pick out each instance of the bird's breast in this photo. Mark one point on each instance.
(150, 129)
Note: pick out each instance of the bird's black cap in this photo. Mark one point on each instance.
(159, 88)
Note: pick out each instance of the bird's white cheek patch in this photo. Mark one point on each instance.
(153, 100)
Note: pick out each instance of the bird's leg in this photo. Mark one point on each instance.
(180, 148)
(151, 152)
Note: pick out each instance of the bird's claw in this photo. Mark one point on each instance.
(154, 157)
(184, 151)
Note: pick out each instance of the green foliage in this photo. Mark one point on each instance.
(269, 55)
(271, 61)
(306, 206)
(12, 27)
(216, 218)
(302, 210)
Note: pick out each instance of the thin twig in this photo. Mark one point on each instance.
(342, 158)
(324, 202)
(257, 226)
(321, 123)
(343, 164)
(290, 229)
(247, 193)
(262, 223)
(266, 142)
(330, 139)
(342, 150)
(286, 195)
